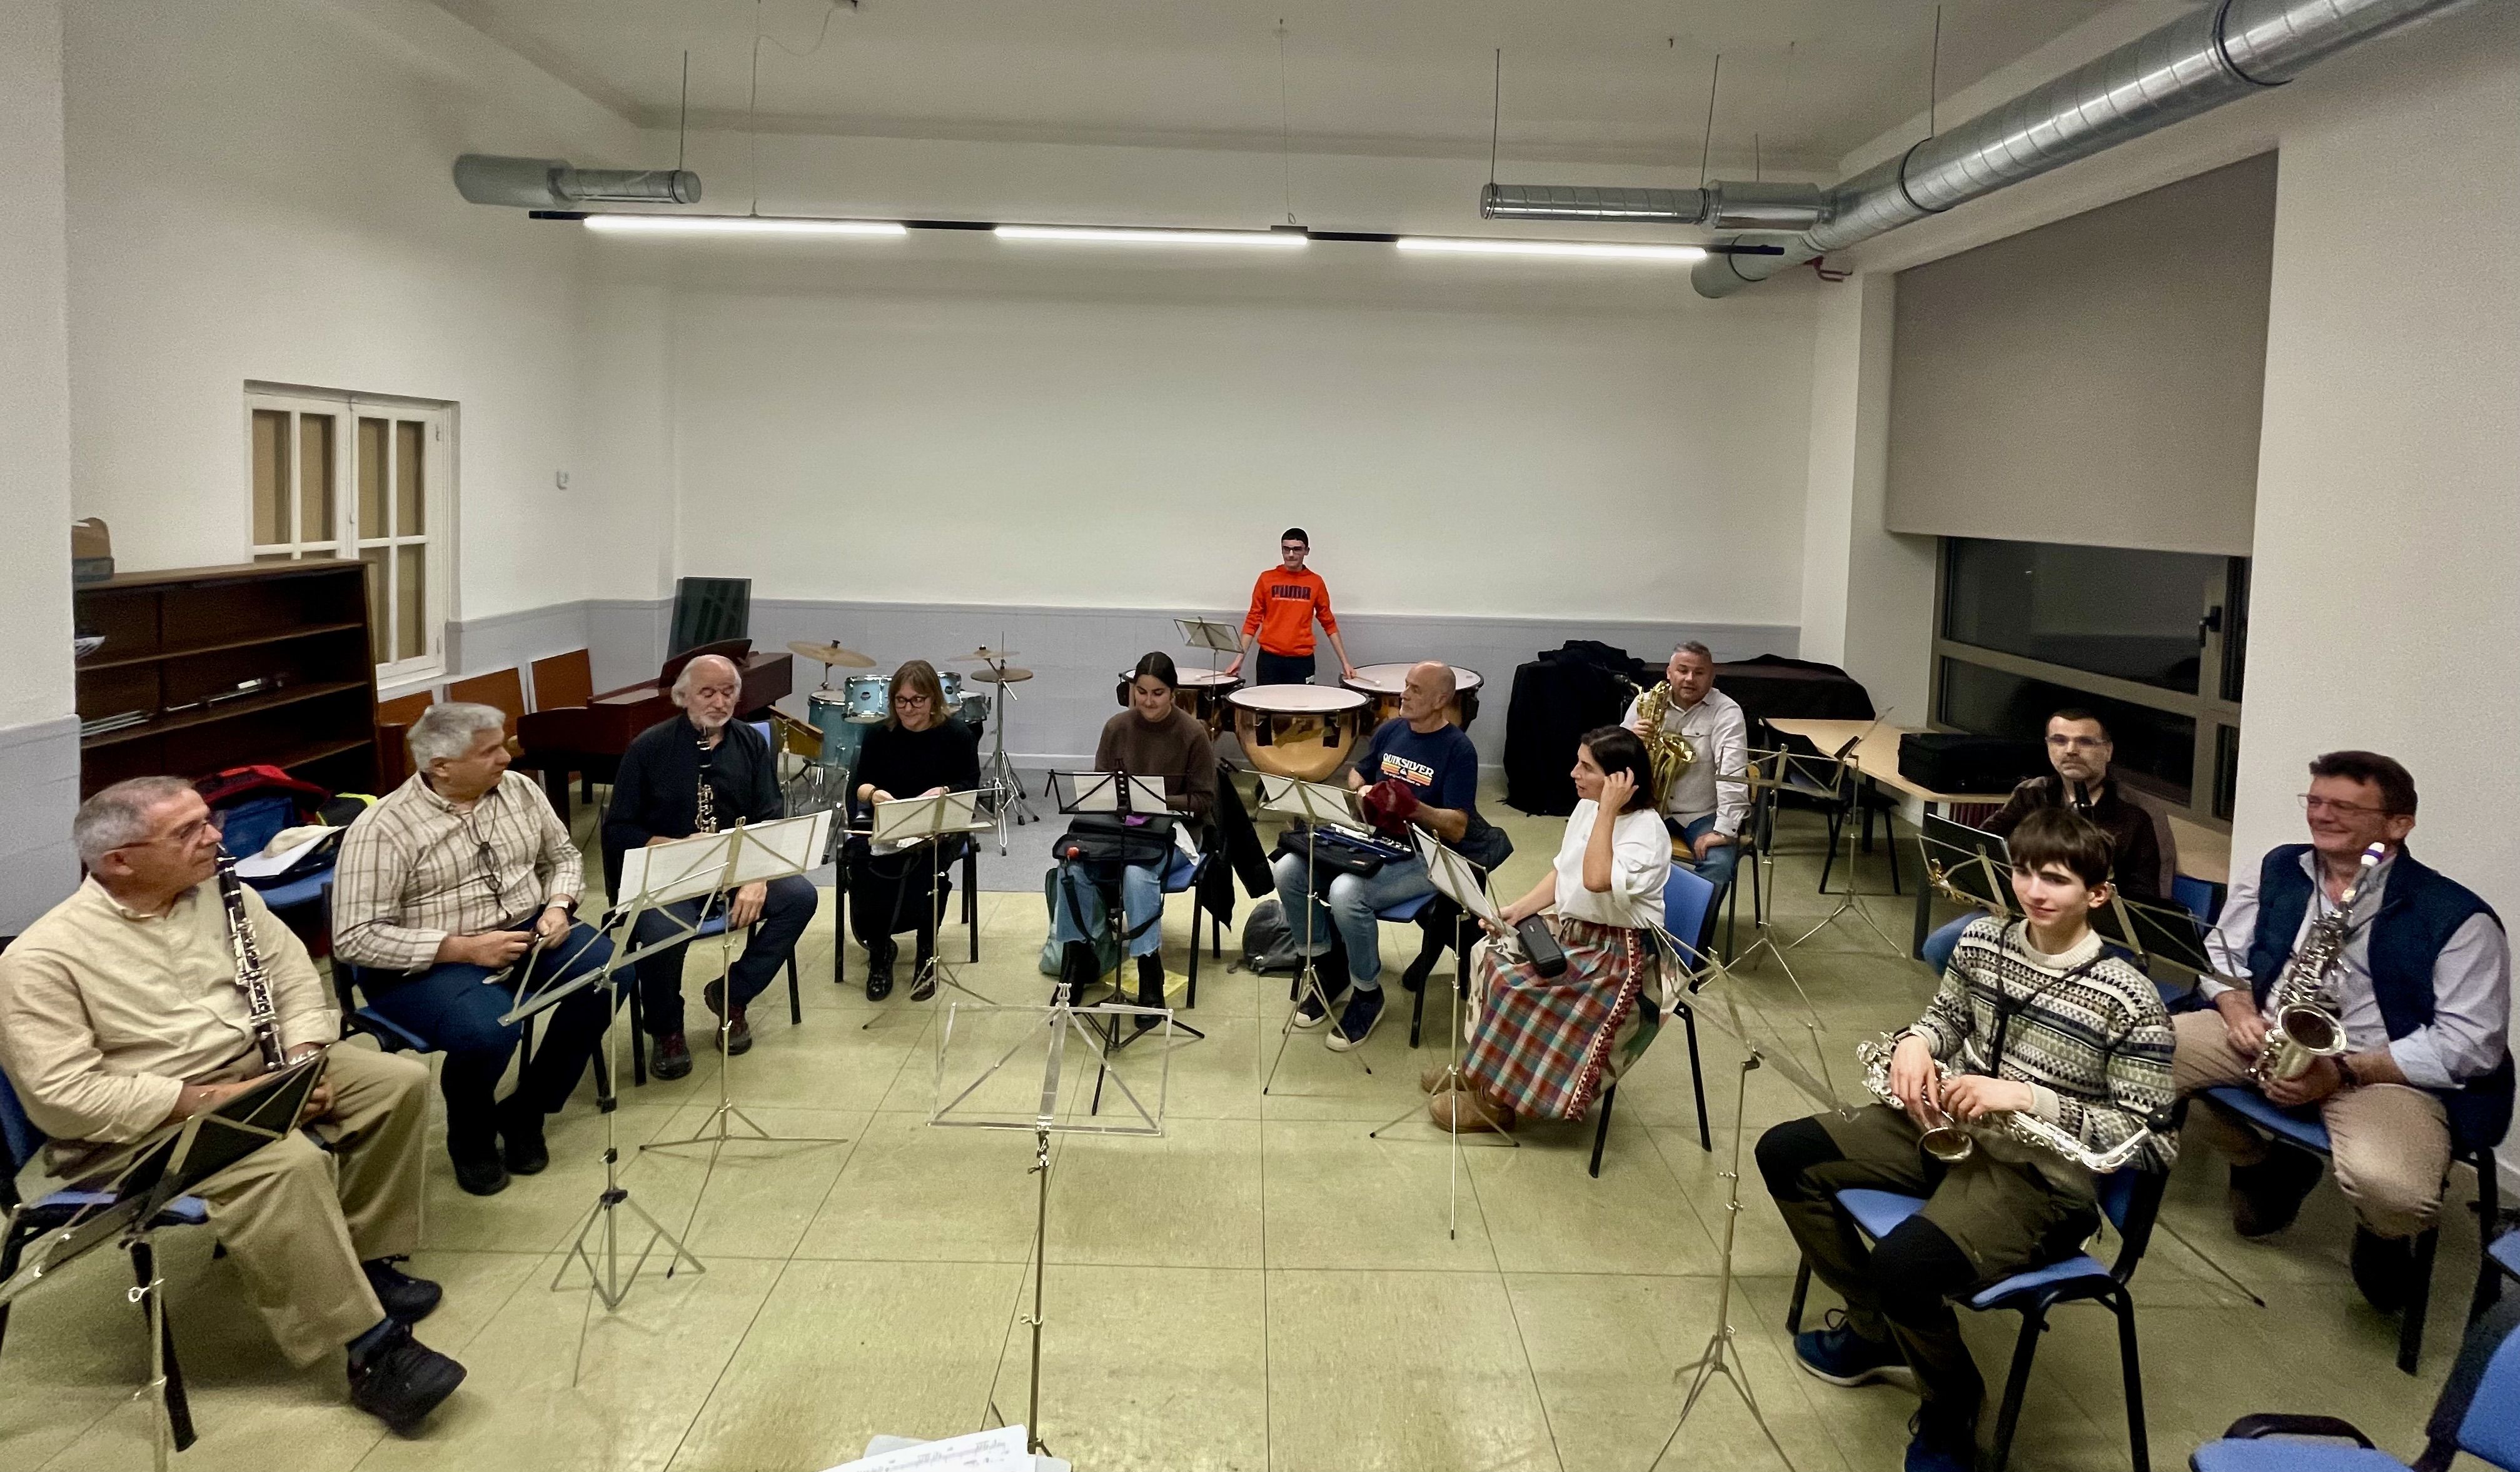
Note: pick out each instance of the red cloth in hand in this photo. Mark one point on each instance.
(1390, 803)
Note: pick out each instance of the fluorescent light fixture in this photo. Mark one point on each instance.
(1283, 239)
(1678, 255)
(736, 223)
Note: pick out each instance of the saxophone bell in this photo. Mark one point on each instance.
(2303, 1033)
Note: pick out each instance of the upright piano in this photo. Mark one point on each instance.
(591, 738)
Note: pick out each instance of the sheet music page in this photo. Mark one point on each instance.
(1001, 1449)
(682, 870)
(784, 846)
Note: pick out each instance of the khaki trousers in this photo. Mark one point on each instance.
(298, 1220)
(2389, 1144)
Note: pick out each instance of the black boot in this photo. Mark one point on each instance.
(879, 956)
(1078, 967)
(521, 1129)
(2268, 1195)
(1151, 988)
(2384, 1269)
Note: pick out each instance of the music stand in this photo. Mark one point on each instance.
(1054, 1026)
(1124, 794)
(142, 1179)
(1765, 773)
(1971, 866)
(1466, 884)
(1316, 804)
(755, 853)
(1209, 634)
(905, 821)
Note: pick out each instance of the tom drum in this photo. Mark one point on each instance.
(868, 699)
(1381, 682)
(827, 711)
(1299, 730)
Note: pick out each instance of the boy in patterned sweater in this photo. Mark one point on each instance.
(2033, 1017)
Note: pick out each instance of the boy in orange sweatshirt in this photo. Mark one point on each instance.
(1284, 601)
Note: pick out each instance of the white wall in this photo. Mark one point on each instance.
(38, 738)
(260, 190)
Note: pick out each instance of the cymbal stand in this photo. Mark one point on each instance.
(1000, 787)
(1452, 1078)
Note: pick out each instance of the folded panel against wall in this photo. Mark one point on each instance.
(2097, 380)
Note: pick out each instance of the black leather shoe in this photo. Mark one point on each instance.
(1151, 988)
(673, 1057)
(407, 1300)
(480, 1175)
(880, 959)
(401, 1380)
(2268, 1195)
(2384, 1269)
(521, 1132)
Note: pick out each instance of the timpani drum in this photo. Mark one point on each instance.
(1381, 684)
(1202, 692)
(1298, 731)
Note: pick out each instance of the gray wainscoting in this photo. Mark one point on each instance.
(39, 782)
(1076, 654)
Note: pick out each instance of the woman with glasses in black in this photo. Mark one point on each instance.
(919, 750)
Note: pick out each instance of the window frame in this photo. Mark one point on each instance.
(349, 540)
(2216, 756)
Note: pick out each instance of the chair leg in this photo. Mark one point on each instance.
(2017, 1385)
(1836, 818)
(638, 1039)
(1601, 1131)
(1697, 1083)
(972, 898)
(1802, 1291)
(179, 1406)
(1191, 1000)
(795, 1003)
(2489, 1216)
(2139, 1446)
(2410, 1328)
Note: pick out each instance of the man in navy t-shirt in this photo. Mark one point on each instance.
(1416, 767)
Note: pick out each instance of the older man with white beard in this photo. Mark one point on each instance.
(702, 772)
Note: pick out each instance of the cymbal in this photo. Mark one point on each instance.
(982, 655)
(830, 654)
(1011, 675)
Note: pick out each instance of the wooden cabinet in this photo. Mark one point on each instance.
(262, 662)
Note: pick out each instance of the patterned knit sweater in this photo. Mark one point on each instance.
(2088, 1034)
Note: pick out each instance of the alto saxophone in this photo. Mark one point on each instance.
(2306, 1028)
(252, 978)
(1950, 1142)
(1667, 754)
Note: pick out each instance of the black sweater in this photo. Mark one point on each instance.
(655, 793)
(906, 763)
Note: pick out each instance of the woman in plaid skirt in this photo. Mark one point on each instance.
(1539, 1046)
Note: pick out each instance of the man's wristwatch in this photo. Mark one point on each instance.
(2345, 1074)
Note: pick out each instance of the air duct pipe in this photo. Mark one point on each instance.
(1717, 206)
(2218, 53)
(553, 184)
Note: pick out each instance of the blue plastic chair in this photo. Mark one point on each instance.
(30, 1219)
(2130, 1199)
(2478, 1414)
(2306, 1131)
(1688, 916)
(2504, 1253)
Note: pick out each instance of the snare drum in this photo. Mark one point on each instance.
(1202, 692)
(867, 697)
(973, 711)
(1381, 684)
(1298, 731)
(842, 732)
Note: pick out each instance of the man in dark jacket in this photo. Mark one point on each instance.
(2079, 750)
(700, 773)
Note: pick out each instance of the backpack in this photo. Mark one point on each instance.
(1268, 944)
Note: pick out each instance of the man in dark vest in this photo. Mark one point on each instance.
(2424, 986)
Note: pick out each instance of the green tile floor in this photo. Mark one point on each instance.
(1265, 1286)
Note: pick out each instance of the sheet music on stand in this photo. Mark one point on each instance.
(1208, 633)
(1101, 792)
(1319, 805)
(1968, 863)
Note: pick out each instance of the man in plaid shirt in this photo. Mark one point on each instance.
(447, 884)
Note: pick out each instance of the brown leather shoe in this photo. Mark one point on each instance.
(2268, 1195)
(673, 1058)
(1469, 1111)
(1438, 1079)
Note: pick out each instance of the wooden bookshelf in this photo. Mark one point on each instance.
(179, 643)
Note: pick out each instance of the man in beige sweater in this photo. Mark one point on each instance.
(120, 1012)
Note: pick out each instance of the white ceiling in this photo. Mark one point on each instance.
(1614, 80)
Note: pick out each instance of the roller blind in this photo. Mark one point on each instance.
(2097, 380)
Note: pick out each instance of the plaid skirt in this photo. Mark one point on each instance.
(1548, 1046)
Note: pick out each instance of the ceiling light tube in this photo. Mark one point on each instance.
(1125, 235)
(1678, 255)
(734, 224)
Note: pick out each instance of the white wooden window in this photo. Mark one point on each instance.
(343, 476)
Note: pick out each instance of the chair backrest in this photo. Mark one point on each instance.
(402, 710)
(2131, 1198)
(564, 680)
(2479, 1410)
(1688, 911)
(19, 1130)
(503, 691)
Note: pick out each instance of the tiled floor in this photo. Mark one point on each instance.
(1265, 1286)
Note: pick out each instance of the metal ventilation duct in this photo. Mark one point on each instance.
(1717, 206)
(2195, 63)
(553, 184)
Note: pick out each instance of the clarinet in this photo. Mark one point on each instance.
(250, 976)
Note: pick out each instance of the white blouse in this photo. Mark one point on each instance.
(1640, 864)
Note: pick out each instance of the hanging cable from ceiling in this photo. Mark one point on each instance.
(1496, 115)
(1934, 75)
(1706, 147)
(1286, 129)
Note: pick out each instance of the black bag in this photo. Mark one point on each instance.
(1268, 944)
(1144, 839)
(1950, 761)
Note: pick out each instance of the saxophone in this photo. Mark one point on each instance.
(1667, 754)
(2306, 1028)
(252, 978)
(1950, 1142)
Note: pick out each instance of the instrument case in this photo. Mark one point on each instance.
(1950, 761)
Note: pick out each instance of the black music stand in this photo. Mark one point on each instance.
(143, 1178)
(1124, 794)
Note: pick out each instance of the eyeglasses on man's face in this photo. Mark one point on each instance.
(2314, 804)
(186, 835)
(2077, 744)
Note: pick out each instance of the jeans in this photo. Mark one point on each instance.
(450, 1010)
(784, 912)
(1282, 669)
(1353, 902)
(1141, 906)
(1940, 945)
(1717, 866)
